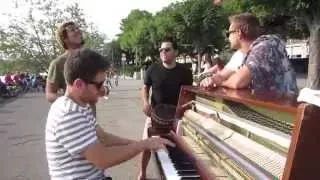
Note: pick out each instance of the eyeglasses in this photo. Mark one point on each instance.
(228, 33)
(165, 49)
(72, 28)
(97, 84)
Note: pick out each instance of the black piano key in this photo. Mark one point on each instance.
(190, 178)
(187, 172)
(183, 162)
(184, 167)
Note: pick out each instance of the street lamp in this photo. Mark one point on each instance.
(123, 60)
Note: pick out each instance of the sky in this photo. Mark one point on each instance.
(105, 14)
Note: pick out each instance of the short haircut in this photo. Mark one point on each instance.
(62, 33)
(170, 39)
(84, 64)
(247, 23)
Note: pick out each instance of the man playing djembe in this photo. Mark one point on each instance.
(165, 79)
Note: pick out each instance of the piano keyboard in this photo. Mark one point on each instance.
(176, 165)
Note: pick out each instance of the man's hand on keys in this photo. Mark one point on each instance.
(156, 143)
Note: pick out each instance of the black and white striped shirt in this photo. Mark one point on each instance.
(70, 129)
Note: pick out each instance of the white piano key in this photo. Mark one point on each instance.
(167, 165)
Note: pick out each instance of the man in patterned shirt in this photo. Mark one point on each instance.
(266, 66)
(76, 146)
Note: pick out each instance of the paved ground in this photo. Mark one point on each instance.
(22, 123)
(22, 149)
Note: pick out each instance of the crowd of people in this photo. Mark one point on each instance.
(78, 148)
(12, 84)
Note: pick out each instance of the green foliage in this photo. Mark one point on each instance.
(194, 24)
(200, 24)
(31, 41)
(113, 51)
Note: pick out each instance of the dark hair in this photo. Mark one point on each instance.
(62, 33)
(170, 39)
(247, 23)
(84, 64)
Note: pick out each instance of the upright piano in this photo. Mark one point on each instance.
(240, 134)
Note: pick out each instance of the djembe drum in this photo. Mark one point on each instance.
(163, 118)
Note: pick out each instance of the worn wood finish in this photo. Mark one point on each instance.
(245, 96)
(185, 97)
(303, 156)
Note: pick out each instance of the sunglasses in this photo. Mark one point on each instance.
(228, 33)
(165, 49)
(97, 84)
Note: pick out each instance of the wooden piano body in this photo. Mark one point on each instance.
(235, 134)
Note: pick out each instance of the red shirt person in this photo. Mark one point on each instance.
(8, 80)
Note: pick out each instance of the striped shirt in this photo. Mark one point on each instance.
(70, 129)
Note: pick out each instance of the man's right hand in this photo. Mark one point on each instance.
(212, 81)
(156, 143)
(147, 109)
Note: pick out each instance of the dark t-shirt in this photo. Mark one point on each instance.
(166, 83)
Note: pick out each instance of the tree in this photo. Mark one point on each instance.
(31, 40)
(114, 52)
(199, 24)
(193, 24)
(137, 34)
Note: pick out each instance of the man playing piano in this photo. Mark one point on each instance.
(266, 66)
(77, 147)
(165, 79)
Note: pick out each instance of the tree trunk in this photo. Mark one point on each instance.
(184, 58)
(313, 80)
(199, 63)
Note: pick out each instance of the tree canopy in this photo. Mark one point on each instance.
(194, 24)
(29, 43)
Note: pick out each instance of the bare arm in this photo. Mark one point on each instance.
(51, 91)
(111, 140)
(145, 100)
(213, 69)
(105, 157)
(239, 79)
(225, 73)
(145, 94)
(217, 79)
